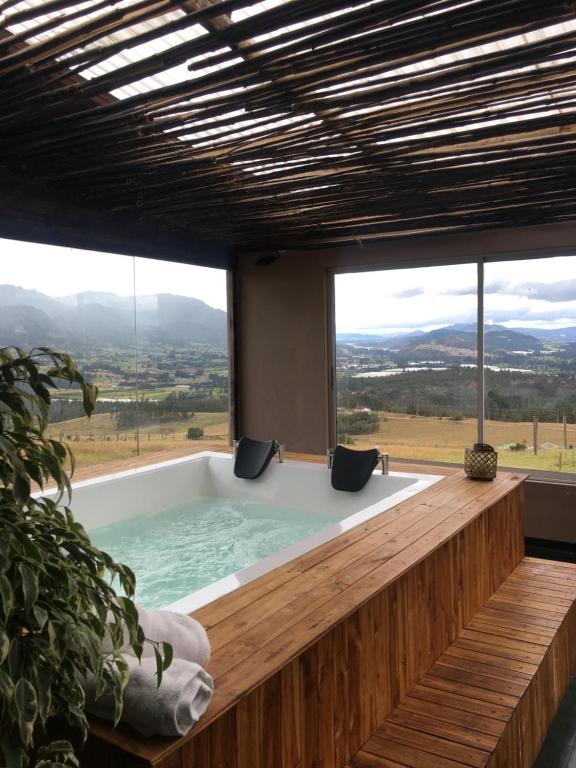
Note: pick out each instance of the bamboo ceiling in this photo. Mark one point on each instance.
(290, 123)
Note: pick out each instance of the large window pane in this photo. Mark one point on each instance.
(530, 340)
(406, 361)
(182, 356)
(150, 334)
(81, 303)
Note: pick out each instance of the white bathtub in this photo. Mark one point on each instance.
(301, 485)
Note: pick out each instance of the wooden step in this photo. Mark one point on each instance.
(490, 697)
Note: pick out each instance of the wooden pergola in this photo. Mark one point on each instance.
(286, 123)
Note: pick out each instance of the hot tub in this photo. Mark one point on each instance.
(192, 531)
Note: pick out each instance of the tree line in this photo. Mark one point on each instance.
(510, 396)
(129, 413)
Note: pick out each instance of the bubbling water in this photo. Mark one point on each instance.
(187, 547)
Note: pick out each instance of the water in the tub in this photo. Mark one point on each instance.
(187, 547)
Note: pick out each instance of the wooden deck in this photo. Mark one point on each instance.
(309, 658)
(490, 697)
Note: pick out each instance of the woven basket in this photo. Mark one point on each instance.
(480, 462)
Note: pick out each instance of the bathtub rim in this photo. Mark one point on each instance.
(211, 592)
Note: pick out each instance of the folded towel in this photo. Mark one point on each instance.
(187, 636)
(170, 710)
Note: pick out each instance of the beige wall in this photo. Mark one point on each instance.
(282, 351)
(550, 511)
(284, 332)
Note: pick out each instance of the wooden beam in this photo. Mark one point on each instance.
(35, 214)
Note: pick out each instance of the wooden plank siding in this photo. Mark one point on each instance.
(309, 658)
(490, 697)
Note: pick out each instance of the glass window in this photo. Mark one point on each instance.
(80, 303)
(151, 334)
(182, 356)
(530, 358)
(406, 361)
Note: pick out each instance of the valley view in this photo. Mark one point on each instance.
(164, 381)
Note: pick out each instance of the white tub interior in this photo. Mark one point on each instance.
(301, 485)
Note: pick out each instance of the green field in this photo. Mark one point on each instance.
(97, 441)
(442, 439)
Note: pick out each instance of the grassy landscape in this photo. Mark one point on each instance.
(176, 388)
(405, 436)
(423, 389)
(97, 441)
(443, 439)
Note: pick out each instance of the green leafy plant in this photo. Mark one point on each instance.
(57, 600)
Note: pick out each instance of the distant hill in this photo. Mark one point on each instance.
(442, 340)
(361, 338)
(384, 341)
(451, 339)
(460, 339)
(30, 318)
(400, 340)
(557, 335)
(500, 339)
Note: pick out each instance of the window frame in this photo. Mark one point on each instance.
(481, 261)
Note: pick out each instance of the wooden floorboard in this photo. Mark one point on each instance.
(460, 701)
(512, 631)
(434, 726)
(488, 726)
(463, 711)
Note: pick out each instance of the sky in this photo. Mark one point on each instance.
(58, 271)
(537, 293)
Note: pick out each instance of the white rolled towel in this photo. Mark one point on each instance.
(187, 636)
(170, 710)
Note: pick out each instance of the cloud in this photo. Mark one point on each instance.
(535, 317)
(526, 316)
(503, 287)
(416, 322)
(408, 293)
(471, 290)
(563, 290)
(498, 286)
(501, 315)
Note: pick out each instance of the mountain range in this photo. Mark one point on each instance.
(463, 336)
(30, 318)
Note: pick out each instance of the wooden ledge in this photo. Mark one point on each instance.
(261, 627)
(481, 703)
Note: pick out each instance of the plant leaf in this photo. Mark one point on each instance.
(27, 708)
(159, 666)
(44, 692)
(41, 616)
(168, 652)
(14, 754)
(29, 585)
(6, 686)
(6, 596)
(4, 645)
